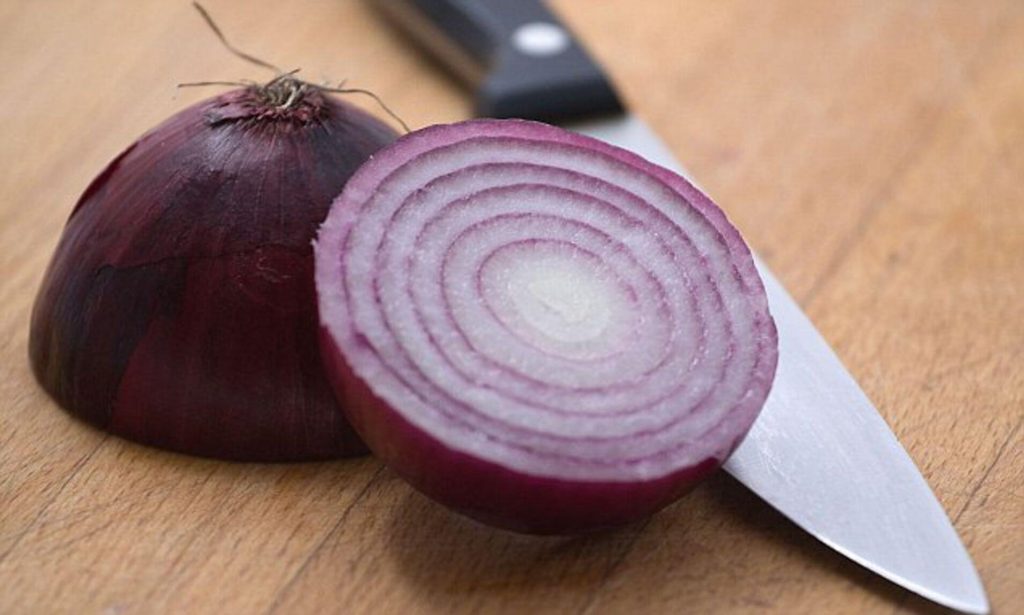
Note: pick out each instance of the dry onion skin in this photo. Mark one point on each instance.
(179, 308)
(539, 330)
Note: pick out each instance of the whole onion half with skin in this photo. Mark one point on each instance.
(537, 329)
(179, 309)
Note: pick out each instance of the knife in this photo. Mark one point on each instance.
(819, 452)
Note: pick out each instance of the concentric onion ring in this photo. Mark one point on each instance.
(538, 329)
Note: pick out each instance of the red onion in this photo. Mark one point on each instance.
(179, 309)
(537, 329)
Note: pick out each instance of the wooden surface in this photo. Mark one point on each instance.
(871, 151)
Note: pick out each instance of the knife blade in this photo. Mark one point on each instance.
(820, 452)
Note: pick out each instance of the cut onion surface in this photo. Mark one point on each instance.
(538, 329)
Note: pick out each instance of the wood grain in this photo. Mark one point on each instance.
(873, 152)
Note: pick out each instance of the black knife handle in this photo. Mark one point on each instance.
(521, 60)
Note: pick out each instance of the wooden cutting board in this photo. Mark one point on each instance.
(872, 152)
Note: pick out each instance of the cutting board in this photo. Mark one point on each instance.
(872, 152)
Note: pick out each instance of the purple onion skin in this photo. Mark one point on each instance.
(179, 309)
(488, 492)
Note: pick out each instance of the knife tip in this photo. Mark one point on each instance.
(969, 598)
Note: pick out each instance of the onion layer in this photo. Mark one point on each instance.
(179, 309)
(540, 330)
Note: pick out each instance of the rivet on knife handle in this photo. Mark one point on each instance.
(520, 59)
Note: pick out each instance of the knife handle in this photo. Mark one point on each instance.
(520, 59)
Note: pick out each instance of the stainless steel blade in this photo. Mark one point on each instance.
(822, 455)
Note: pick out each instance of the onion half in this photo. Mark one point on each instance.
(537, 329)
(179, 308)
